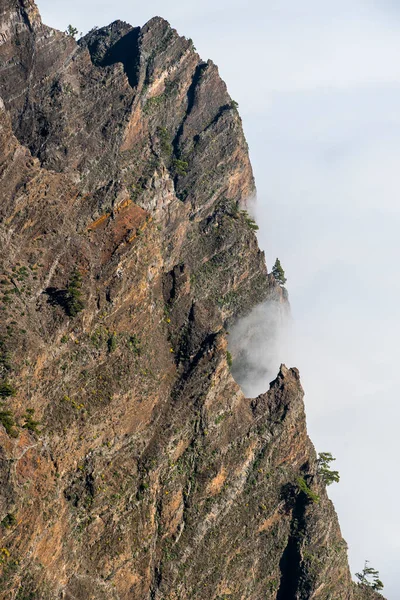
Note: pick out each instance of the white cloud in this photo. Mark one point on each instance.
(328, 207)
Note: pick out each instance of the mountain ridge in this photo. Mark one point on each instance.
(132, 465)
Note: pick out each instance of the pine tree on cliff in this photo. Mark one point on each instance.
(278, 272)
(324, 468)
(370, 578)
(71, 31)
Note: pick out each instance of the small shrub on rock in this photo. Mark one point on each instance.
(73, 298)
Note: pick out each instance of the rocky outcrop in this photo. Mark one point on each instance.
(132, 466)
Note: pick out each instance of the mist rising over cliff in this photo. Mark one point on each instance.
(259, 344)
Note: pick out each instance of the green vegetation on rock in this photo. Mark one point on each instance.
(370, 578)
(304, 487)
(134, 344)
(112, 342)
(7, 390)
(250, 222)
(278, 272)
(73, 299)
(9, 521)
(8, 422)
(323, 465)
(30, 424)
(71, 31)
(180, 167)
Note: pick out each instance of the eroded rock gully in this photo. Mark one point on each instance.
(131, 464)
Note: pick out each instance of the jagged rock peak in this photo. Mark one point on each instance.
(285, 372)
(17, 11)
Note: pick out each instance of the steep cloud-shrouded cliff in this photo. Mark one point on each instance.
(131, 464)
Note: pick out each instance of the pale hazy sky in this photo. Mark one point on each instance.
(318, 85)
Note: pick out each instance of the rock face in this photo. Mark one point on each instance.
(131, 464)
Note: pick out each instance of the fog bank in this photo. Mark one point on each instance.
(259, 344)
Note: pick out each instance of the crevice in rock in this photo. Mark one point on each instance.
(290, 563)
(191, 95)
(126, 51)
(105, 52)
(25, 18)
(171, 282)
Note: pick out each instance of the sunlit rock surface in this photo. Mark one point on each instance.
(131, 464)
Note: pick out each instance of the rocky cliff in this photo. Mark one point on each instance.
(131, 464)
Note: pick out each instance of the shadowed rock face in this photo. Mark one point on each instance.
(131, 464)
